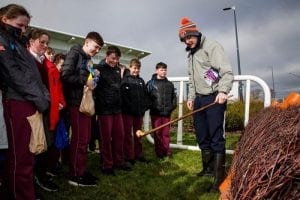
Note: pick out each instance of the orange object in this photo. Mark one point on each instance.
(225, 187)
(275, 103)
(293, 99)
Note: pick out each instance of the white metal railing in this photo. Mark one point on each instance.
(237, 78)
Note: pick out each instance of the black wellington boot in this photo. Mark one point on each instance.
(219, 171)
(207, 163)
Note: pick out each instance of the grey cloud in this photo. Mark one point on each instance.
(268, 31)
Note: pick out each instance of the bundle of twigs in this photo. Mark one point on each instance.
(267, 160)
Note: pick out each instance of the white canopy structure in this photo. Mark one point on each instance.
(61, 42)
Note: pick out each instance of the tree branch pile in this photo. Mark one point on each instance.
(266, 164)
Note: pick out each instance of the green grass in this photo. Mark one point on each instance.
(172, 179)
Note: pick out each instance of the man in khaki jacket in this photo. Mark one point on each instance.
(210, 80)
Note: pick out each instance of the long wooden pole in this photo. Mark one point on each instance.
(140, 133)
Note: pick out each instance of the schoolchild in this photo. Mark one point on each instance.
(109, 112)
(163, 101)
(62, 156)
(38, 44)
(74, 74)
(57, 105)
(134, 105)
(50, 53)
(23, 94)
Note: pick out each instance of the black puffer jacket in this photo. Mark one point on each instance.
(134, 96)
(162, 96)
(74, 74)
(108, 92)
(19, 75)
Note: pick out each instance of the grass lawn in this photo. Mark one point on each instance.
(172, 179)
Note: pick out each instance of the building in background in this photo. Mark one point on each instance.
(61, 42)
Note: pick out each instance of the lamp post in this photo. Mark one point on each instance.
(273, 84)
(237, 50)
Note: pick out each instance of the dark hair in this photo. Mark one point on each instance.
(3, 11)
(96, 37)
(37, 33)
(58, 57)
(161, 65)
(12, 11)
(50, 50)
(135, 62)
(113, 49)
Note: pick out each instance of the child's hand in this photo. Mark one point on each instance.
(96, 72)
(60, 106)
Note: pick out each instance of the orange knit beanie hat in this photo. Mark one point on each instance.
(187, 28)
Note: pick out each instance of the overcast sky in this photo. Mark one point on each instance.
(268, 30)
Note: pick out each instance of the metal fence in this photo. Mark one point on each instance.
(246, 80)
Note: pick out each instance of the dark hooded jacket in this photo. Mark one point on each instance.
(74, 74)
(134, 96)
(108, 90)
(19, 75)
(162, 96)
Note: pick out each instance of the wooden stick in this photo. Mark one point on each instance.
(140, 133)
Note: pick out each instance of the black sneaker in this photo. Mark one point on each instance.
(88, 175)
(142, 159)
(82, 181)
(108, 171)
(56, 171)
(131, 161)
(46, 183)
(52, 173)
(38, 195)
(124, 167)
